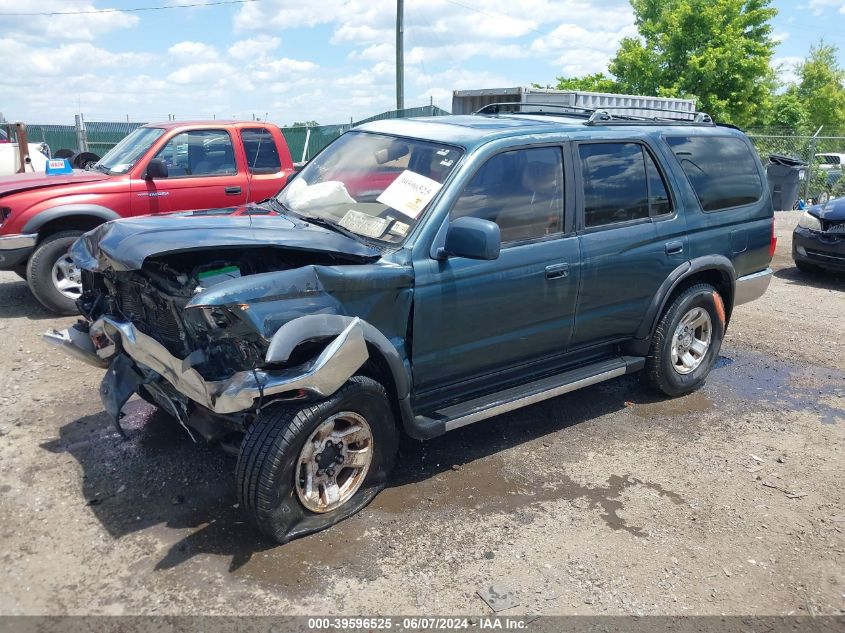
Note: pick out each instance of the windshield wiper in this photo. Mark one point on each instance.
(277, 205)
(100, 167)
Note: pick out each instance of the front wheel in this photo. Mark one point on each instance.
(687, 341)
(303, 470)
(52, 276)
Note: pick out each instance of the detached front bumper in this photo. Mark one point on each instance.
(16, 249)
(321, 376)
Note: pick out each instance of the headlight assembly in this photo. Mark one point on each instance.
(811, 222)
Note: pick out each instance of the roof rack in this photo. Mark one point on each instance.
(604, 115)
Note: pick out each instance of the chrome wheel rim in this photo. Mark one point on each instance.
(334, 462)
(691, 340)
(67, 278)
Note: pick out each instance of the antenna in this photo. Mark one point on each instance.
(250, 168)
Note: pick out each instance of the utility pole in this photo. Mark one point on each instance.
(400, 62)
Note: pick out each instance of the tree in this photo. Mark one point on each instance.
(304, 124)
(598, 82)
(717, 51)
(789, 110)
(821, 87)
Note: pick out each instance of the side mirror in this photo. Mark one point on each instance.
(156, 169)
(472, 238)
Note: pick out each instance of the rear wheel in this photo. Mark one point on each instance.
(52, 276)
(303, 470)
(687, 341)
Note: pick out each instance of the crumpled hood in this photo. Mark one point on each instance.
(125, 244)
(834, 210)
(36, 180)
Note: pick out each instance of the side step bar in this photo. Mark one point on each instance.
(478, 409)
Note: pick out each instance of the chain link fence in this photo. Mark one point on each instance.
(100, 136)
(823, 153)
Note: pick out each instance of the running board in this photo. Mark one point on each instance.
(478, 409)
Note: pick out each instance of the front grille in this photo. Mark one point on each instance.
(833, 226)
(153, 317)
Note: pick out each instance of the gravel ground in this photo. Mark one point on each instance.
(609, 500)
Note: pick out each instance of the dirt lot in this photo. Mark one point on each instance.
(605, 501)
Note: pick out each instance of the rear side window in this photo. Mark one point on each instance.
(721, 170)
(615, 186)
(262, 156)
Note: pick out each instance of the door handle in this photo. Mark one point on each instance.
(557, 271)
(232, 191)
(674, 248)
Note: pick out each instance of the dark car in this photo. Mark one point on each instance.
(819, 239)
(421, 275)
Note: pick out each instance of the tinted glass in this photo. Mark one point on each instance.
(721, 170)
(658, 198)
(199, 153)
(614, 183)
(262, 156)
(521, 191)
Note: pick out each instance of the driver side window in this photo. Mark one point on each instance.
(199, 153)
(520, 190)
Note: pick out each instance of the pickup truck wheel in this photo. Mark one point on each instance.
(52, 276)
(301, 470)
(687, 341)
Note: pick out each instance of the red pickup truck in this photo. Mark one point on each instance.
(159, 168)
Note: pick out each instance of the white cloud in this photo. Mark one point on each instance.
(193, 50)
(785, 68)
(61, 27)
(820, 6)
(254, 47)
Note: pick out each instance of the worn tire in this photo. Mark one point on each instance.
(807, 269)
(270, 450)
(39, 272)
(660, 370)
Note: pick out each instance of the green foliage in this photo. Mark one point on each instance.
(789, 110)
(717, 51)
(822, 87)
(304, 124)
(598, 82)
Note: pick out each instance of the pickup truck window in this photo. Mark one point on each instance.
(721, 170)
(373, 185)
(521, 191)
(262, 155)
(615, 188)
(199, 153)
(123, 156)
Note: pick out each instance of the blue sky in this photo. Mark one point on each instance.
(329, 61)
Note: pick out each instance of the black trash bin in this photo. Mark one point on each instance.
(785, 176)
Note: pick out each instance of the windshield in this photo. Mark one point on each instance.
(123, 156)
(373, 185)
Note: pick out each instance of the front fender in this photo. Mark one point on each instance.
(317, 326)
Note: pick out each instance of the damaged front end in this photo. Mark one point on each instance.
(213, 334)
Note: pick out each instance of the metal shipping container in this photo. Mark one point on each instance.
(468, 101)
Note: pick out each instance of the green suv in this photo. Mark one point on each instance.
(422, 275)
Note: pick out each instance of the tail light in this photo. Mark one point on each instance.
(774, 243)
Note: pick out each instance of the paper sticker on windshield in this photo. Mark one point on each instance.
(409, 193)
(364, 224)
(399, 228)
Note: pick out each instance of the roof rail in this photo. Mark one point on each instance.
(605, 116)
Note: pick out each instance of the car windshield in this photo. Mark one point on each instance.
(123, 156)
(373, 185)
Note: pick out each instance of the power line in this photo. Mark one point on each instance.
(135, 10)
